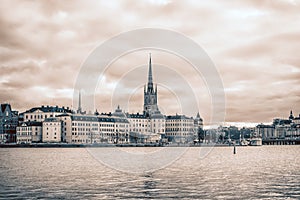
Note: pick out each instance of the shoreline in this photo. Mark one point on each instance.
(66, 145)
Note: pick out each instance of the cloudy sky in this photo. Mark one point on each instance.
(254, 45)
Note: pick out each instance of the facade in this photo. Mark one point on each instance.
(39, 114)
(84, 127)
(52, 129)
(281, 128)
(180, 128)
(113, 130)
(89, 129)
(29, 132)
(8, 124)
(266, 131)
(296, 120)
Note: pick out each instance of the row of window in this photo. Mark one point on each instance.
(26, 133)
(180, 120)
(103, 134)
(180, 124)
(178, 134)
(179, 129)
(27, 128)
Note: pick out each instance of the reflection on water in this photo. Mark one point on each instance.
(267, 172)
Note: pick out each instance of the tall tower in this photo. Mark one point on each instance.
(150, 93)
(79, 110)
(291, 115)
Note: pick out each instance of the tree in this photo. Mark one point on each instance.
(200, 134)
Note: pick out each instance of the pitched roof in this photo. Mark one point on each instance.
(3, 107)
(49, 109)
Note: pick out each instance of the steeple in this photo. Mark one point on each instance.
(150, 80)
(150, 93)
(79, 110)
(291, 115)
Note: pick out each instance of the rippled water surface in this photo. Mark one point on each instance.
(267, 172)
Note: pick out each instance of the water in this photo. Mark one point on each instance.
(267, 172)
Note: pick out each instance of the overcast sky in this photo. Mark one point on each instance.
(255, 46)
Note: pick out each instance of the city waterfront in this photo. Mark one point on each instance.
(264, 172)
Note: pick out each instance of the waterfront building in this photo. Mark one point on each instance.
(113, 129)
(180, 128)
(52, 130)
(84, 128)
(148, 126)
(29, 132)
(146, 129)
(296, 120)
(88, 129)
(39, 114)
(266, 131)
(8, 124)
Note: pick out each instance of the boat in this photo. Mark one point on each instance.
(255, 142)
(244, 142)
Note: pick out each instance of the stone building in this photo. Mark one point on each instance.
(29, 132)
(52, 129)
(8, 124)
(39, 114)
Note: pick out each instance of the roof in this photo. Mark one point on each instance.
(3, 107)
(51, 119)
(138, 115)
(112, 119)
(31, 123)
(50, 109)
(157, 115)
(178, 117)
(264, 126)
(84, 118)
(118, 113)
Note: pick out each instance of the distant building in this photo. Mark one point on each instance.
(39, 114)
(281, 128)
(29, 132)
(296, 120)
(52, 129)
(87, 129)
(266, 131)
(180, 128)
(60, 124)
(8, 124)
(150, 125)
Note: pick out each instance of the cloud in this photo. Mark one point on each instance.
(254, 45)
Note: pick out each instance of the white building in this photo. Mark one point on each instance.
(39, 114)
(266, 131)
(180, 128)
(29, 132)
(84, 128)
(88, 129)
(52, 129)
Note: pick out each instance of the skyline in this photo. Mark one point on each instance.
(252, 44)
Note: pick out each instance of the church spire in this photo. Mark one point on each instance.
(150, 71)
(291, 115)
(150, 80)
(79, 103)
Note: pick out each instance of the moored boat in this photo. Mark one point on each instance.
(255, 142)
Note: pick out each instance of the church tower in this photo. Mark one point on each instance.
(150, 94)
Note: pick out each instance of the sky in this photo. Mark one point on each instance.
(254, 46)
